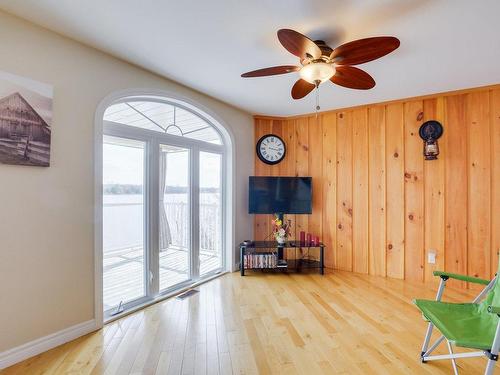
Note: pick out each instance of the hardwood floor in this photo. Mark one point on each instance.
(341, 323)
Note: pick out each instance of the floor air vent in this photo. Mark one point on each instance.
(187, 294)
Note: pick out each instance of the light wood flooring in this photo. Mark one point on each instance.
(340, 323)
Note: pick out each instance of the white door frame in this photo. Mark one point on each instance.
(227, 151)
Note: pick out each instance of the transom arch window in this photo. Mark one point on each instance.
(165, 167)
(164, 117)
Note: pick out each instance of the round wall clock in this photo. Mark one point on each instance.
(271, 149)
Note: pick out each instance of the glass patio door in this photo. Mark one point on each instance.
(124, 245)
(210, 213)
(175, 248)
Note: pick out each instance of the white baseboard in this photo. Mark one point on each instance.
(30, 349)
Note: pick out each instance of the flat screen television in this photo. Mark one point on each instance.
(280, 195)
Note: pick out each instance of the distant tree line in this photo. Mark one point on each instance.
(115, 189)
(122, 189)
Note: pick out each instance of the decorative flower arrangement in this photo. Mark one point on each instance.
(281, 230)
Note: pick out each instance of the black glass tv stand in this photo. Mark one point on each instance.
(290, 256)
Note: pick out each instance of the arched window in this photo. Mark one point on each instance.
(164, 199)
(164, 117)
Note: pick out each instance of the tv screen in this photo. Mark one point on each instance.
(287, 195)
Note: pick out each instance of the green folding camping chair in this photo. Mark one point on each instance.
(472, 325)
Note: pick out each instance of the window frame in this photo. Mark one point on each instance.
(153, 139)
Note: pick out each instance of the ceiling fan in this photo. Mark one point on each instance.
(320, 63)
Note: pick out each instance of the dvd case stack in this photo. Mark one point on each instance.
(260, 260)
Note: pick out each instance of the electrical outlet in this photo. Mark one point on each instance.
(431, 256)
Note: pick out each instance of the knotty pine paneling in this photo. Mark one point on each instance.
(479, 185)
(360, 191)
(329, 162)
(434, 189)
(455, 140)
(395, 190)
(344, 191)
(377, 191)
(414, 191)
(315, 166)
(302, 164)
(377, 205)
(495, 177)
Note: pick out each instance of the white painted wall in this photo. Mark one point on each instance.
(46, 214)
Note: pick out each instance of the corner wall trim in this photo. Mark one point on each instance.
(42, 344)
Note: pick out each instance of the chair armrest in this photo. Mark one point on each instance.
(470, 279)
(494, 309)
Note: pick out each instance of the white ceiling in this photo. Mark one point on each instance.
(207, 44)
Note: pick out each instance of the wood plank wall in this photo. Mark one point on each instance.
(377, 205)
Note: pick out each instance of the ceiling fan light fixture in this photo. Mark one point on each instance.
(317, 71)
(320, 63)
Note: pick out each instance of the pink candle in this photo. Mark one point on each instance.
(308, 238)
(312, 243)
(302, 237)
(316, 240)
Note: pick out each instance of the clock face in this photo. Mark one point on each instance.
(271, 149)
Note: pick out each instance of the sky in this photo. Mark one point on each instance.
(125, 165)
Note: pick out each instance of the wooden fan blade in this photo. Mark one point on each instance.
(272, 71)
(364, 50)
(301, 88)
(298, 44)
(353, 78)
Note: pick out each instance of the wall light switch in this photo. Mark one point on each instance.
(431, 256)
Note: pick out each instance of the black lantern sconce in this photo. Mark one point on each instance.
(430, 132)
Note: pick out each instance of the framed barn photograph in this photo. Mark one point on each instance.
(25, 121)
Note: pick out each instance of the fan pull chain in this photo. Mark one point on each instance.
(317, 98)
